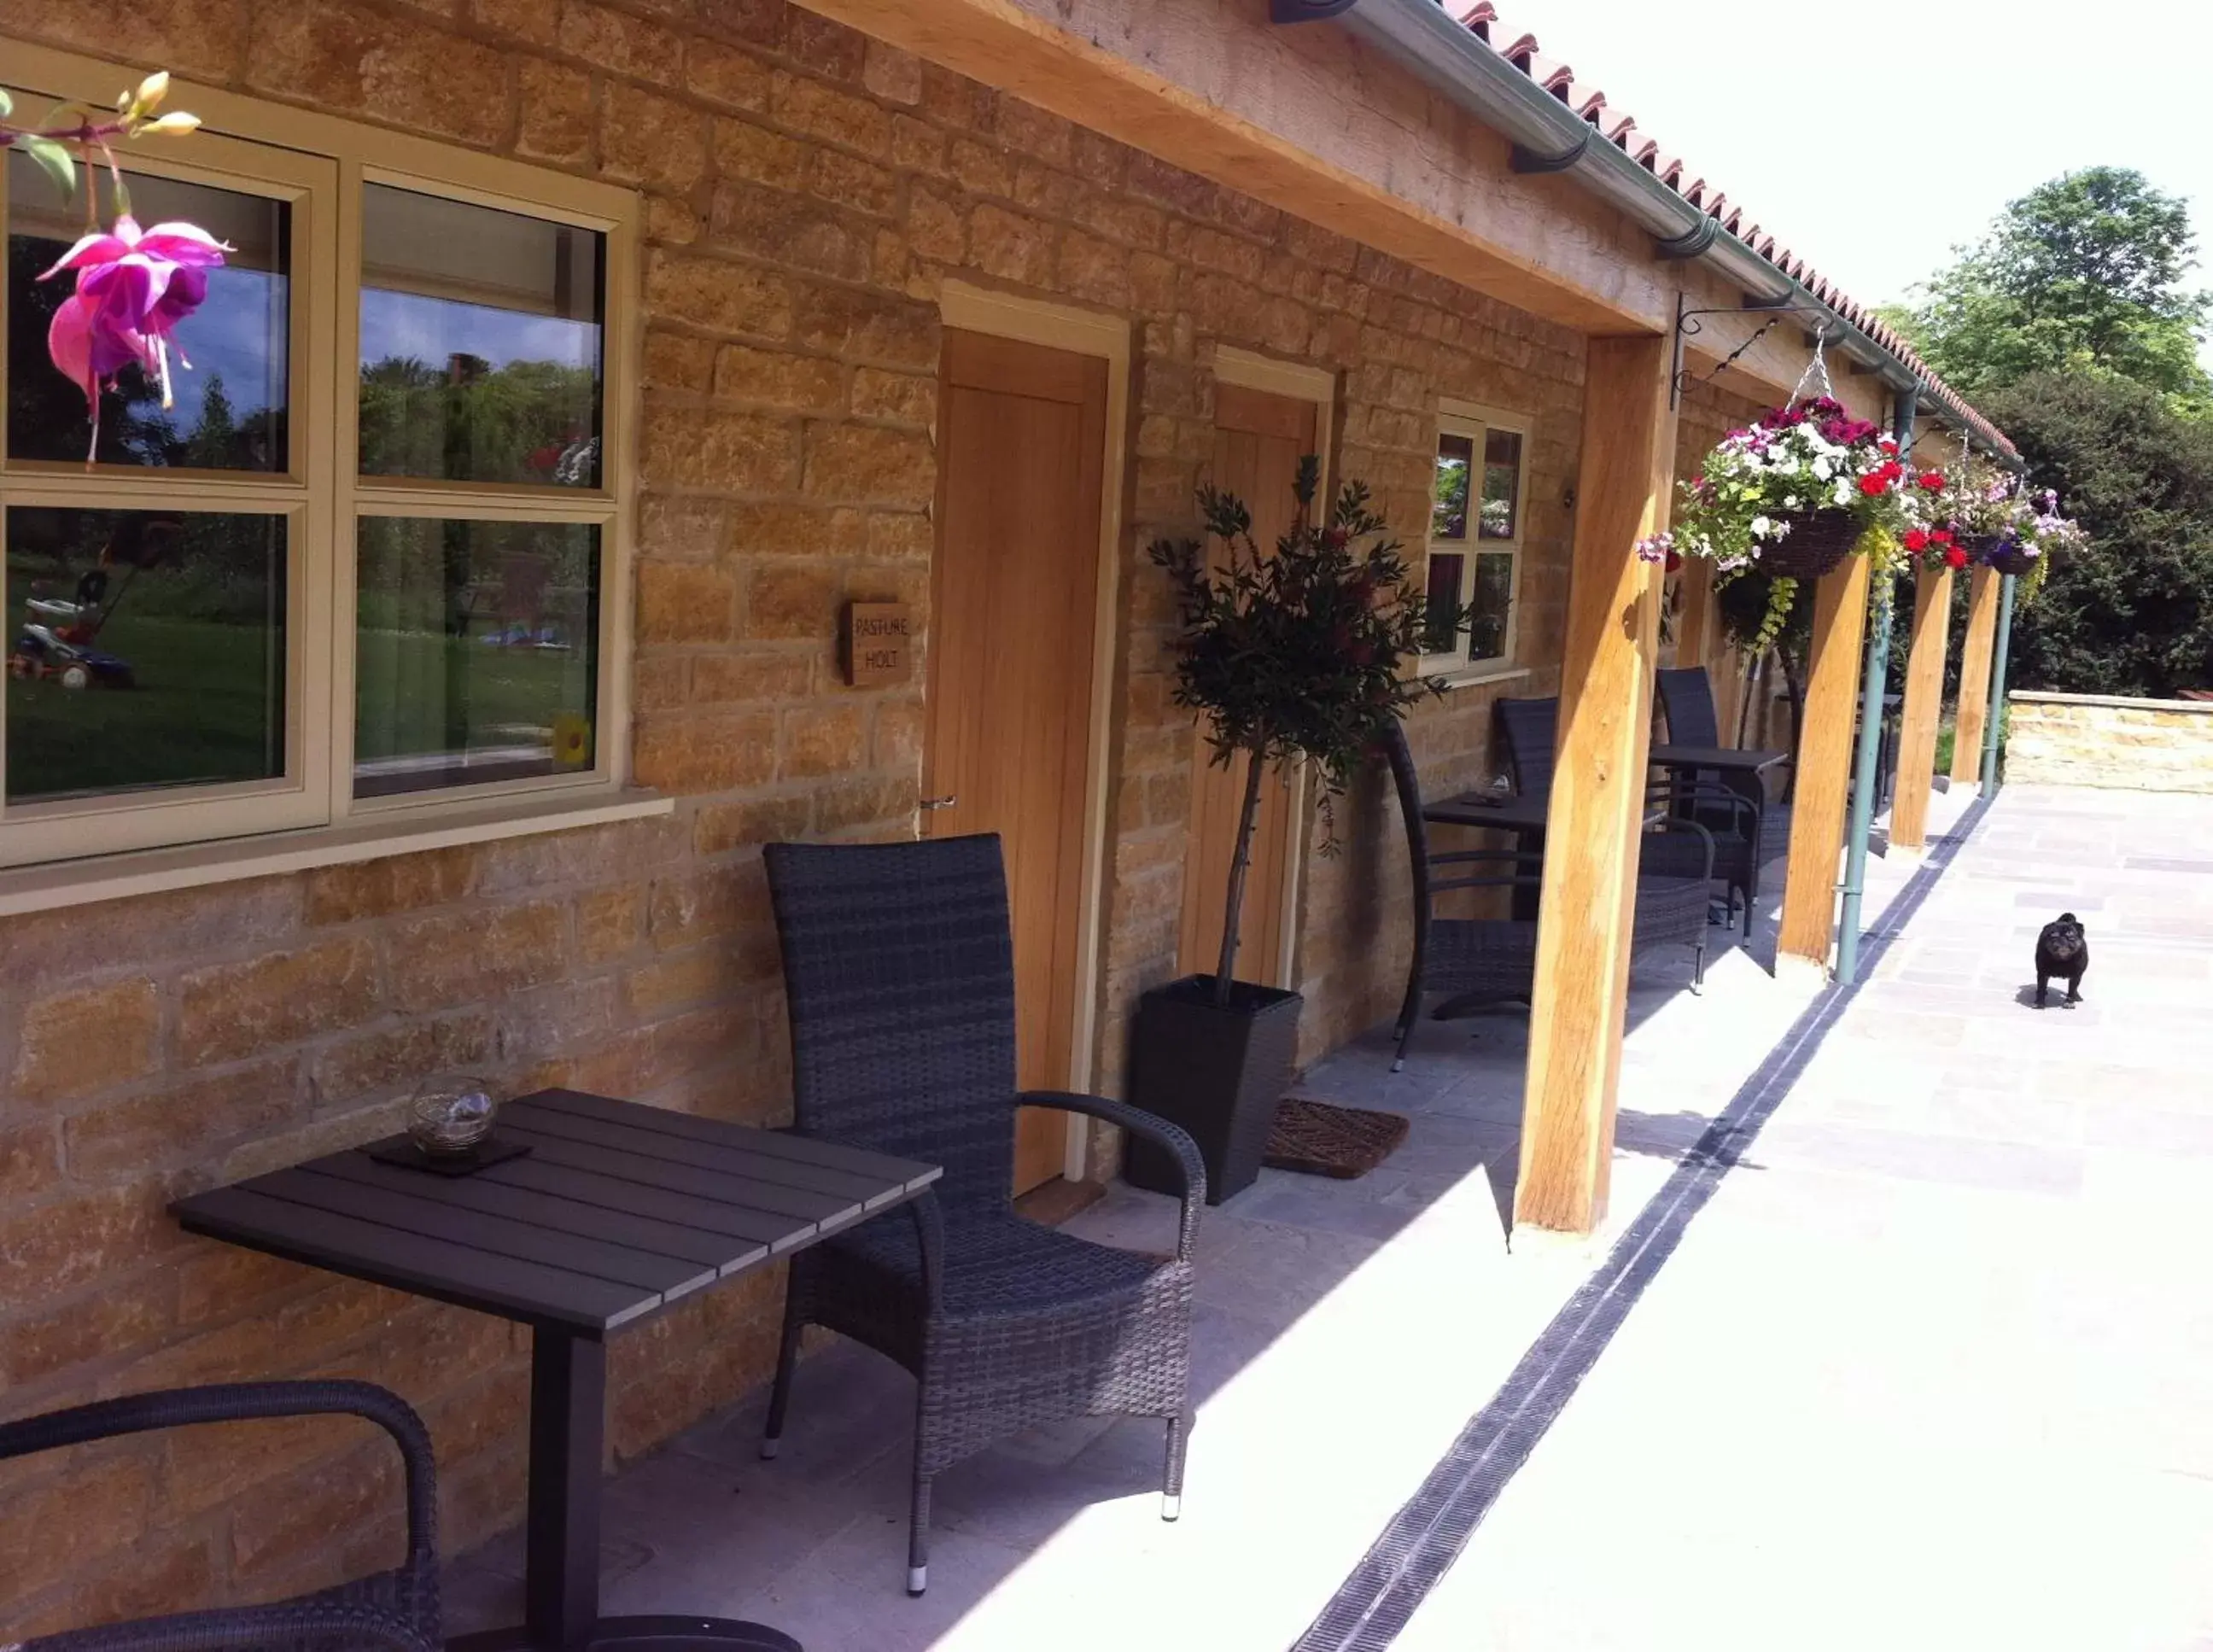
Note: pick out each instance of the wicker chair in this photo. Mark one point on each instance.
(1531, 731)
(1495, 960)
(394, 1611)
(1687, 699)
(899, 965)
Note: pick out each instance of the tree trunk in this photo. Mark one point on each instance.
(1247, 818)
(1796, 687)
(1755, 673)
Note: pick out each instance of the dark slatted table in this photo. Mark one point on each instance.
(1727, 759)
(617, 1211)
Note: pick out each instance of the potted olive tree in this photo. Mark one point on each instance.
(1304, 654)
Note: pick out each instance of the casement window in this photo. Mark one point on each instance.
(368, 565)
(1475, 532)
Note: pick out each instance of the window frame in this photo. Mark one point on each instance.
(320, 165)
(1476, 422)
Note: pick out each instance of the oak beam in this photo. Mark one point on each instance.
(1975, 678)
(1924, 704)
(1825, 762)
(1579, 1011)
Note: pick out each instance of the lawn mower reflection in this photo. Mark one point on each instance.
(59, 637)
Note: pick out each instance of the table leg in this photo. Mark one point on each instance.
(568, 1433)
(561, 1587)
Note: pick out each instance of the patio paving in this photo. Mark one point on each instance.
(1926, 1370)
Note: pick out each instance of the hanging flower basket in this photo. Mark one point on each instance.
(1819, 540)
(2010, 556)
(1983, 548)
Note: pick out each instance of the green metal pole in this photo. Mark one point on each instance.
(1998, 688)
(1863, 766)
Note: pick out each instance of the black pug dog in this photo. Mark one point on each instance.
(2062, 950)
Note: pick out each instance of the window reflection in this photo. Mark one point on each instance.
(228, 407)
(1491, 602)
(1499, 518)
(481, 344)
(1440, 602)
(1449, 514)
(477, 652)
(146, 649)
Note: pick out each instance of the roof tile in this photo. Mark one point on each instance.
(1481, 19)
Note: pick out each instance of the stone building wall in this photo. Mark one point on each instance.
(2099, 739)
(806, 191)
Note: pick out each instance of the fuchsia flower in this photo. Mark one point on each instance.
(133, 286)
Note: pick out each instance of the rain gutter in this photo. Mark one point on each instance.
(1549, 136)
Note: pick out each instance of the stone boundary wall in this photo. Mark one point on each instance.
(2103, 739)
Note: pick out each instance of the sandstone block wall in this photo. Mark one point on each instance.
(2097, 739)
(807, 192)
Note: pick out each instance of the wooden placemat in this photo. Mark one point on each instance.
(1320, 1138)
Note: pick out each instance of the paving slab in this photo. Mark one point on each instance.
(1926, 1372)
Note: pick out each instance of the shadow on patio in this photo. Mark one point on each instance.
(1343, 1333)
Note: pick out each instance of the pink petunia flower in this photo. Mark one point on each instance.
(133, 286)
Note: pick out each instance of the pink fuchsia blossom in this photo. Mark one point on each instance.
(133, 286)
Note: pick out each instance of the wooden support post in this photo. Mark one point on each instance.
(1975, 678)
(1579, 1011)
(1924, 702)
(1825, 762)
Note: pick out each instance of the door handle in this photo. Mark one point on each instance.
(946, 802)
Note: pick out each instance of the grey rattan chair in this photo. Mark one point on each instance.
(394, 1611)
(1687, 700)
(1494, 960)
(899, 966)
(1531, 730)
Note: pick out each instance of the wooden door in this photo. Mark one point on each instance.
(1013, 623)
(1258, 439)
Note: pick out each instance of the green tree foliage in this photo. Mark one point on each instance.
(1304, 653)
(467, 420)
(2133, 614)
(2083, 274)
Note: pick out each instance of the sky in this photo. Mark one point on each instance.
(1873, 139)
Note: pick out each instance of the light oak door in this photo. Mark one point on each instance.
(1013, 624)
(1258, 439)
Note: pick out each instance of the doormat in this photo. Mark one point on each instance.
(1320, 1138)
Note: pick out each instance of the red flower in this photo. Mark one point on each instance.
(1334, 538)
(1933, 481)
(1955, 557)
(1874, 484)
(1916, 540)
(1675, 560)
(1887, 446)
(1940, 535)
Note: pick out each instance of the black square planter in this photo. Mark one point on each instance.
(1218, 1073)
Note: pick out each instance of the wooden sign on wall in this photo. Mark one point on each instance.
(877, 645)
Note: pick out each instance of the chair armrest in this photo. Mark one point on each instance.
(1171, 1138)
(1683, 788)
(929, 1218)
(1675, 824)
(232, 1402)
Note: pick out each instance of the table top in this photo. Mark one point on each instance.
(618, 1210)
(1714, 757)
(1508, 813)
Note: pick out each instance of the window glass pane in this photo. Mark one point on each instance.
(1439, 599)
(228, 408)
(146, 649)
(1448, 514)
(481, 344)
(1499, 517)
(1491, 599)
(477, 652)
